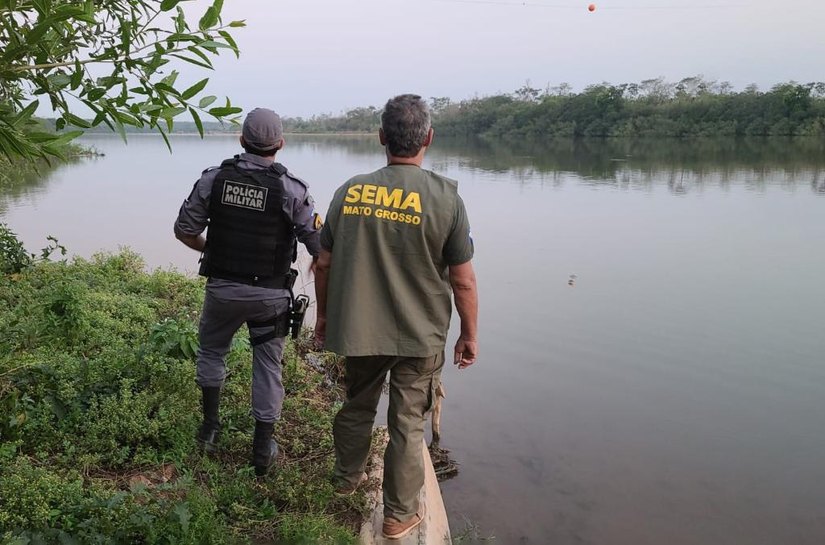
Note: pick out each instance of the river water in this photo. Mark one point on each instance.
(672, 393)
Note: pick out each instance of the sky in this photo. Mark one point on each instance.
(305, 57)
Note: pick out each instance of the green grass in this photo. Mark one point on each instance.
(99, 409)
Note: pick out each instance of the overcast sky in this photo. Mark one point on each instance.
(304, 57)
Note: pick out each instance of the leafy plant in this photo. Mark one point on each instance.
(175, 338)
(13, 256)
(112, 58)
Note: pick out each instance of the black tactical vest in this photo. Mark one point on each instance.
(250, 239)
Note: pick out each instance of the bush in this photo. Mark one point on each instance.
(100, 409)
(13, 256)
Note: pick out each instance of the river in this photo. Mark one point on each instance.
(652, 326)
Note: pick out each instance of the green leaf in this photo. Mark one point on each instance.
(206, 101)
(167, 89)
(200, 54)
(225, 111)
(192, 61)
(183, 514)
(25, 114)
(59, 80)
(165, 138)
(125, 36)
(127, 119)
(65, 138)
(77, 76)
(41, 137)
(214, 45)
(209, 19)
(231, 42)
(41, 6)
(60, 123)
(120, 130)
(237, 24)
(195, 89)
(110, 81)
(180, 24)
(96, 93)
(171, 78)
(86, 17)
(172, 111)
(197, 119)
(39, 30)
(167, 5)
(76, 121)
(179, 37)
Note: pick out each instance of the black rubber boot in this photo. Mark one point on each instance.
(264, 448)
(210, 429)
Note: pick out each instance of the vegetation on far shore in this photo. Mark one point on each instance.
(692, 107)
(100, 409)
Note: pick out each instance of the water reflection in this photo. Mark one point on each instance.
(25, 184)
(651, 369)
(683, 165)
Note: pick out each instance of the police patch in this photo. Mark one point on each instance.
(241, 195)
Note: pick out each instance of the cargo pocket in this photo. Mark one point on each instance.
(437, 363)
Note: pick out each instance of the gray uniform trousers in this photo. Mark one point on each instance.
(220, 319)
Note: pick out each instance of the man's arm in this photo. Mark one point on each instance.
(196, 242)
(465, 292)
(322, 267)
(193, 216)
(300, 208)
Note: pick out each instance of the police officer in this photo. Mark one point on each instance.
(256, 211)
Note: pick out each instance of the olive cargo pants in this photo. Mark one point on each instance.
(413, 382)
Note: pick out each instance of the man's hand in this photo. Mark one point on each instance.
(320, 332)
(465, 352)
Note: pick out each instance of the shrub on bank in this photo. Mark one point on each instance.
(100, 409)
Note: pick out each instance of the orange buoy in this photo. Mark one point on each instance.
(591, 7)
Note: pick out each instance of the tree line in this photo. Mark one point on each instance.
(692, 107)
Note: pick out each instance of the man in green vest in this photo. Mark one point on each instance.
(396, 243)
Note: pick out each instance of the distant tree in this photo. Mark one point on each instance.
(657, 90)
(107, 58)
(439, 104)
(725, 88)
(562, 89)
(752, 89)
(527, 93)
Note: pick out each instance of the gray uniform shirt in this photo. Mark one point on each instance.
(298, 206)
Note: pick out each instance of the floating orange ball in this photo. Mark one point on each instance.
(591, 7)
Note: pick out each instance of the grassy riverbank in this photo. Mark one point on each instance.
(100, 408)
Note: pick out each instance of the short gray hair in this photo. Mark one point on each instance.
(406, 123)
